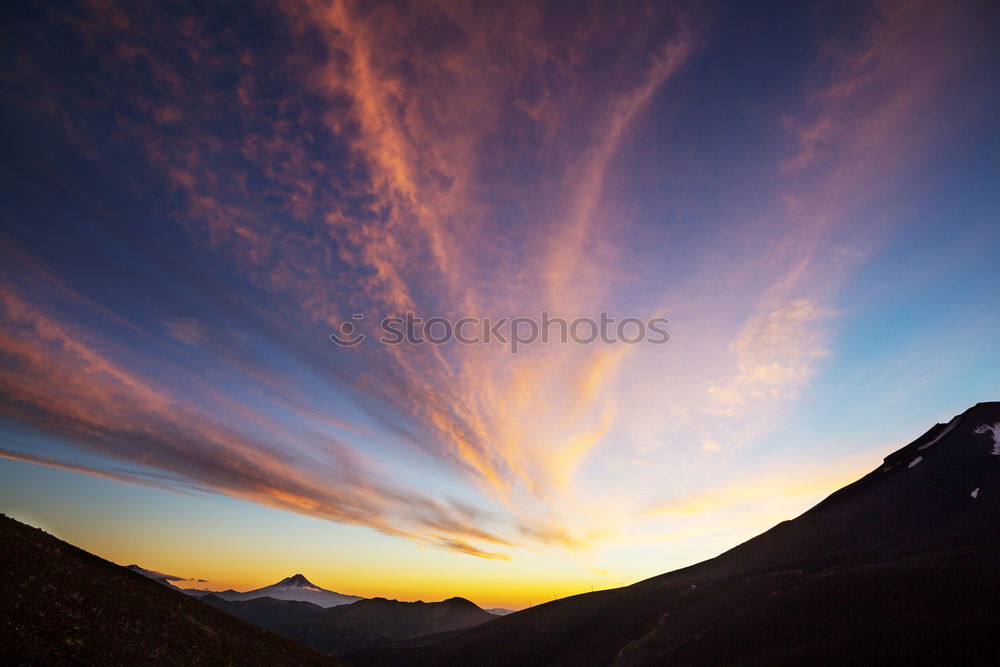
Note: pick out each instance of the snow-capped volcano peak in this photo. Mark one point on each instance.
(295, 587)
(296, 581)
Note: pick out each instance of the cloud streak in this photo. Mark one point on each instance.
(455, 159)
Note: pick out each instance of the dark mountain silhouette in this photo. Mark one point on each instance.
(295, 587)
(60, 605)
(355, 627)
(900, 567)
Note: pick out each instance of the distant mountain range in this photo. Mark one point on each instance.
(295, 587)
(901, 567)
(363, 625)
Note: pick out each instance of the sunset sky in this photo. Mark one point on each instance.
(195, 198)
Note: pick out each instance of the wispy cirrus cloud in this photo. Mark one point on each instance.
(63, 380)
(453, 159)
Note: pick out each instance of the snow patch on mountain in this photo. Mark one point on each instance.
(915, 461)
(994, 430)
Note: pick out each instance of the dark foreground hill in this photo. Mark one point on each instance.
(60, 605)
(355, 627)
(900, 567)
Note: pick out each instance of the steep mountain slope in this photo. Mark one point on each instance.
(902, 566)
(295, 587)
(60, 605)
(359, 626)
